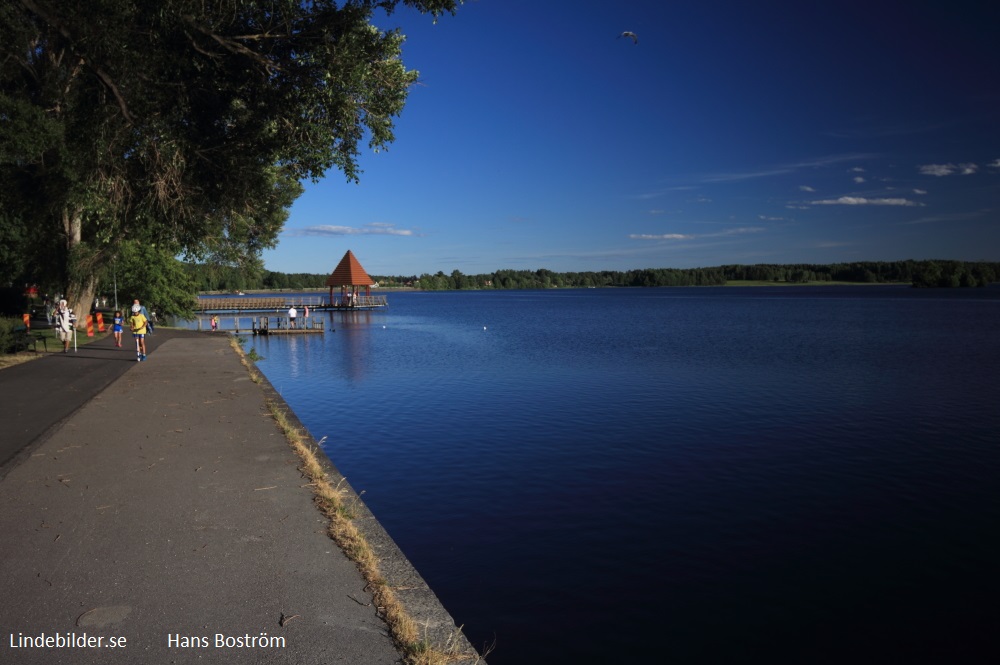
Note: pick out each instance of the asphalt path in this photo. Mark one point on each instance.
(39, 395)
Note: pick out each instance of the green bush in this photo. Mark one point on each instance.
(8, 338)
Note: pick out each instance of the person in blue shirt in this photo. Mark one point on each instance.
(118, 328)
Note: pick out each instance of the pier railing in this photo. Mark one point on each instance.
(281, 303)
(359, 301)
(267, 324)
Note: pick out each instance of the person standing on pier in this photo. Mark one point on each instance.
(291, 316)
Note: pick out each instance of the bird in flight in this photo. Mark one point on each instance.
(630, 35)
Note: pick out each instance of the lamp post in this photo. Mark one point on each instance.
(114, 275)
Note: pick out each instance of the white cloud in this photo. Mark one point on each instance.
(736, 231)
(940, 170)
(682, 236)
(937, 169)
(857, 169)
(375, 229)
(919, 191)
(782, 169)
(995, 164)
(954, 217)
(858, 179)
(806, 188)
(862, 201)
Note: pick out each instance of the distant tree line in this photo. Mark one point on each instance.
(212, 277)
(921, 274)
(936, 273)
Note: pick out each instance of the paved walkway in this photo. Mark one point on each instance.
(156, 504)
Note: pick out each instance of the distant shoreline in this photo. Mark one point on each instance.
(313, 289)
(731, 283)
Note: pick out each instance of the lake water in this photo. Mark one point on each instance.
(686, 475)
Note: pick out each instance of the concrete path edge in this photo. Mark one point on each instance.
(419, 600)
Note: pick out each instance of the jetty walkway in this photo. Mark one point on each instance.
(210, 304)
(153, 512)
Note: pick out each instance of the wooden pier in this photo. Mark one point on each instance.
(348, 276)
(265, 325)
(250, 304)
(262, 326)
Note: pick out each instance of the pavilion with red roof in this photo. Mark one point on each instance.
(350, 277)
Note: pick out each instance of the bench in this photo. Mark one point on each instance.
(23, 337)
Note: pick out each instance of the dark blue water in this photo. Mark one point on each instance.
(686, 475)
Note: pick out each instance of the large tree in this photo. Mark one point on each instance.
(183, 124)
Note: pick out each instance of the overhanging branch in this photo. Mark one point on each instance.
(49, 17)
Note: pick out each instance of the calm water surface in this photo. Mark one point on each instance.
(692, 475)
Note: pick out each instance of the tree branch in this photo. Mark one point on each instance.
(230, 44)
(103, 76)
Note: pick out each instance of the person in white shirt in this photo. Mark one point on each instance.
(63, 321)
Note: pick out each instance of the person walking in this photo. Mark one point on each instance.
(145, 314)
(292, 313)
(118, 327)
(64, 321)
(139, 325)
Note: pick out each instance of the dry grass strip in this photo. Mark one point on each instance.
(331, 501)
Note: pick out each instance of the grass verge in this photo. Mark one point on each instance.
(11, 359)
(332, 502)
(51, 345)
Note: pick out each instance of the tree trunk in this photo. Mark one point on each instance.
(81, 285)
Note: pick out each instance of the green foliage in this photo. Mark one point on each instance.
(8, 336)
(154, 276)
(952, 274)
(182, 124)
(918, 273)
(927, 273)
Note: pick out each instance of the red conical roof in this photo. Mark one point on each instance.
(349, 273)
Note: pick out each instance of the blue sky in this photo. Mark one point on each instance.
(732, 132)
